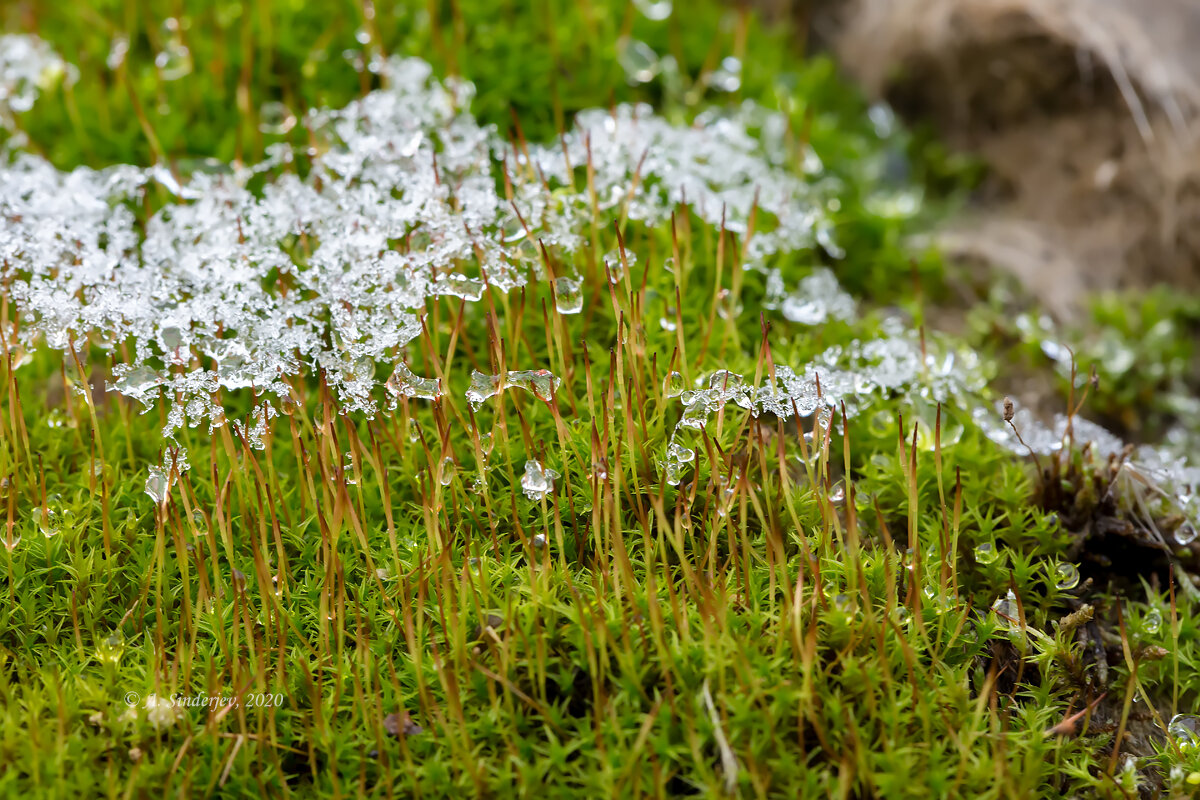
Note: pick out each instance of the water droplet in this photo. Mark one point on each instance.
(673, 385)
(448, 470)
(1152, 622)
(175, 60)
(568, 295)
(539, 541)
(117, 52)
(1008, 614)
(987, 553)
(1066, 576)
(110, 648)
(615, 266)
(47, 521)
(1185, 534)
(538, 481)
(654, 10)
(678, 458)
(638, 59)
(727, 77)
(1185, 730)
(275, 118)
(728, 306)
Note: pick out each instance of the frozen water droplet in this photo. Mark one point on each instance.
(987, 553)
(727, 77)
(459, 285)
(673, 385)
(541, 382)
(1007, 612)
(109, 649)
(139, 383)
(678, 459)
(568, 296)
(448, 470)
(818, 297)
(538, 481)
(175, 60)
(275, 118)
(654, 10)
(482, 387)
(638, 59)
(1066, 576)
(894, 204)
(728, 306)
(47, 521)
(403, 383)
(157, 485)
(1185, 730)
(1152, 622)
(615, 266)
(117, 52)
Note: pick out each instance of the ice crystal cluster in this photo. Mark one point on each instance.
(1149, 478)
(242, 282)
(27, 65)
(850, 377)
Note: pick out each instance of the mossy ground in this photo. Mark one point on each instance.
(748, 631)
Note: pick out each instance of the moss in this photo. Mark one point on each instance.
(799, 617)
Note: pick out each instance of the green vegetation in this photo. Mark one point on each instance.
(802, 616)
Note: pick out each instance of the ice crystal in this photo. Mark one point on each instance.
(230, 288)
(27, 66)
(542, 383)
(851, 377)
(404, 383)
(818, 298)
(538, 481)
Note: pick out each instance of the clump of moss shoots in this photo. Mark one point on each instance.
(599, 551)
